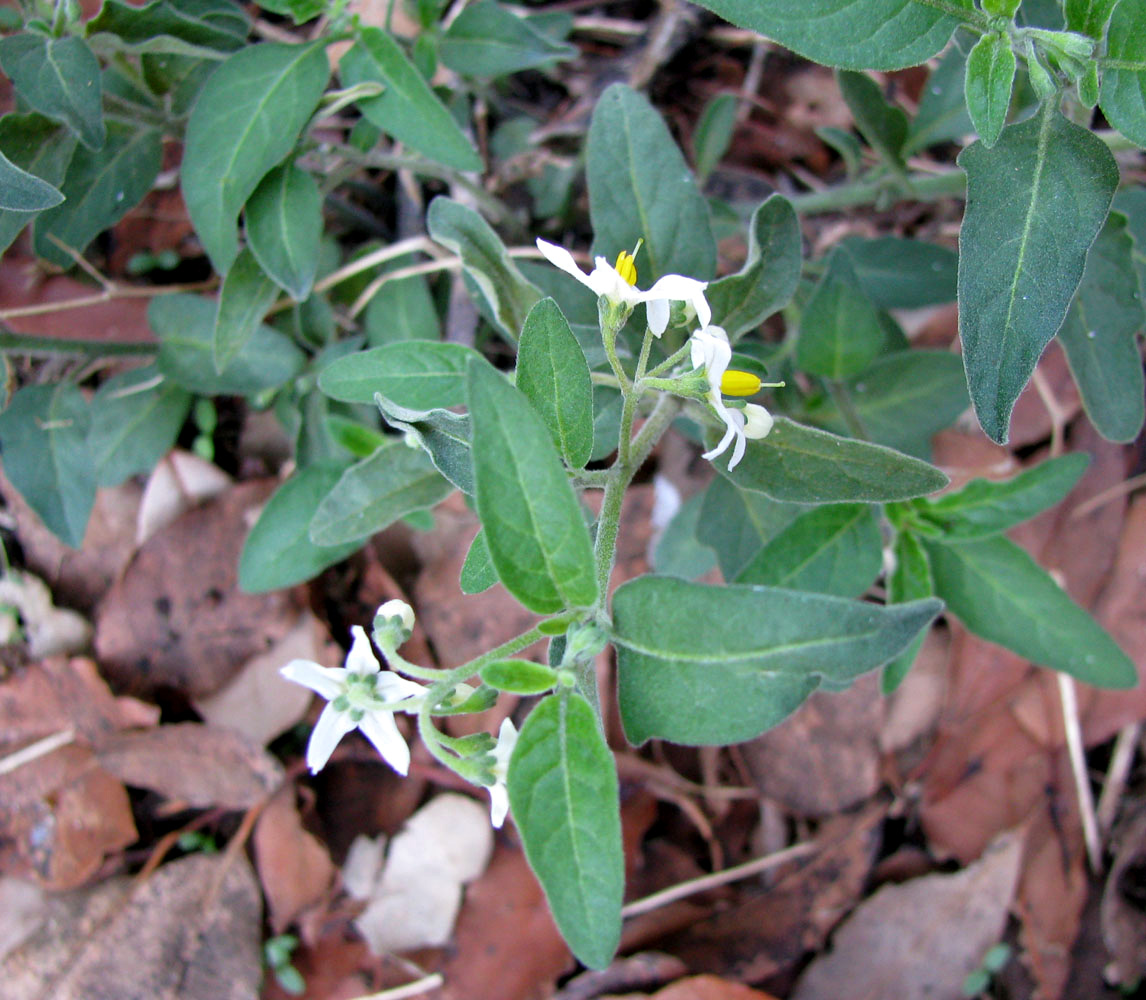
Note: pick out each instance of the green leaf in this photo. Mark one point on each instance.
(187, 27)
(488, 40)
(443, 435)
(736, 524)
(1088, 16)
(43, 435)
(1100, 335)
(641, 188)
(60, 78)
(300, 11)
(246, 121)
(713, 134)
(910, 580)
(896, 273)
(554, 376)
(607, 406)
(562, 786)
(185, 325)
(40, 146)
(1123, 94)
(1131, 202)
(533, 525)
(507, 294)
(100, 188)
(519, 676)
(420, 376)
(833, 549)
(990, 78)
(698, 664)
(21, 191)
(942, 114)
(407, 109)
(403, 309)
(766, 282)
(853, 34)
(983, 507)
(284, 226)
(375, 492)
(882, 123)
(477, 573)
(805, 465)
(244, 299)
(278, 552)
(840, 330)
(1035, 203)
(1000, 593)
(903, 399)
(678, 550)
(135, 418)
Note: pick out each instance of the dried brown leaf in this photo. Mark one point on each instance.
(294, 867)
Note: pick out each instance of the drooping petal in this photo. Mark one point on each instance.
(722, 446)
(657, 312)
(390, 687)
(324, 681)
(679, 288)
(758, 421)
(361, 659)
(498, 805)
(332, 725)
(381, 730)
(562, 259)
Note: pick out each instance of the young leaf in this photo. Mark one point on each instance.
(373, 493)
(713, 134)
(507, 294)
(805, 465)
(1000, 593)
(983, 507)
(519, 676)
(1088, 16)
(443, 435)
(533, 525)
(1100, 335)
(246, 296)
(407, 109)
(833, 549)
(990, 77)
(641, 188)
(246, 120)
(699, 664)
(896, 273)
(486, 39)
(909, 581)
(185, 326)
(284, 226)
(100, 187)
(416, 375)
(553, 374)
(477, 573)
(60, 78)
(840, 330)
(883, 124)
(39, 146)
(853, 34)
(562, 785)
(21, 191)
(1124, 72)
(135, 418)
(1035, 203)
(43, 435)
(742, 301)
(278, 552)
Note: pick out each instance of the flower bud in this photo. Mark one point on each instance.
(393, 623)
(757, 421)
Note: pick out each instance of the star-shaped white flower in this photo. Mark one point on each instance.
(711, 351)
(361, 695)
(606, 280)
(498, 795)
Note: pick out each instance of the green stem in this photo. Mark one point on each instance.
(866, 192)
(508, 648)
(670, 363)
(27, 344)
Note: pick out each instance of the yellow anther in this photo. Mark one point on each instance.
(626, 265)
(738, 383)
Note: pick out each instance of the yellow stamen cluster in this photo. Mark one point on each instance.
(626, 267)
(738, 383)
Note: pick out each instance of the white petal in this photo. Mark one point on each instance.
(326, 681)
(657, 311)
(758, 421)
(498, 805)
(725, 441)
(381, 730)
(390, 687)
(361, 658)
(604, 280)
(561, 258)
(332, 725)
(703, 310)
(506, 741)
(741, 441)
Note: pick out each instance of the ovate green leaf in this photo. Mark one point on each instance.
(990, 77)
(21, 191)
(284, 225)
(60, 78)
(486, 39)
(416, 375)
(246, 296)
(840, 329)
(40, 146)
(1123, 94)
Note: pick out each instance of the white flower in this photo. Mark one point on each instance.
(711, 351)
(498, 795)
(618, 284)
(361, 695)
